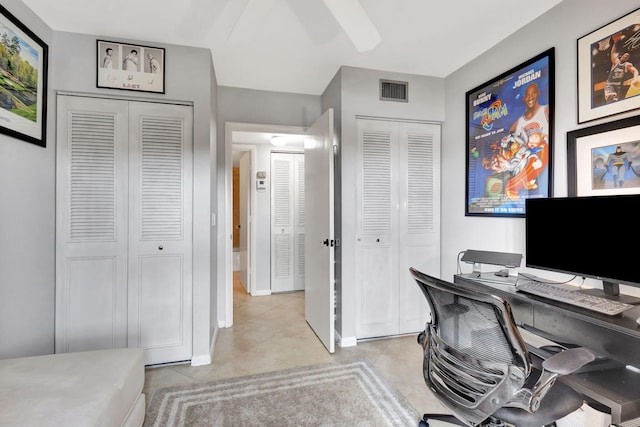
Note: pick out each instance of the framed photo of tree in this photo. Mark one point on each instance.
(23, 81)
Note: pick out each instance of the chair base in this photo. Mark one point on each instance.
(491, 422)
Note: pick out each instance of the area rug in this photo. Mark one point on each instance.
(346, 394)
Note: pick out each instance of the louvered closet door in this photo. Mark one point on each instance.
(398, 223)
(377, 222)
(419, 231)
(160, 200)
(123, 219)
(287, 222)
(91, 225)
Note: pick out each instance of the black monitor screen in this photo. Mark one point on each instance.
(592, 237)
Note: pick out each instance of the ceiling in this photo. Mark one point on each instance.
(298, 46)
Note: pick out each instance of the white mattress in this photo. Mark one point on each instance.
(92, 388)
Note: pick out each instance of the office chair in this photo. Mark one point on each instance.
(477, 364)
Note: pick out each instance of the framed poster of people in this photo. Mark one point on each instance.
(23, 81)
(509, 131)
(130, 67)
(608, 69)
(604, 159)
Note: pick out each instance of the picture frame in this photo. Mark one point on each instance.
(595, 165)
(509, 139)
(602, 89)
(130, 67)
(23, 81)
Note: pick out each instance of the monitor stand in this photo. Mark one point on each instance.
(476, 270)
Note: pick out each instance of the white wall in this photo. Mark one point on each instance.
(559, 28)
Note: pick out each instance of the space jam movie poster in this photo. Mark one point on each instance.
(509, 132)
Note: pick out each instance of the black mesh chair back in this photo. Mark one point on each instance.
(478, 365)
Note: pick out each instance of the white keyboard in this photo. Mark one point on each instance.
(557, 292)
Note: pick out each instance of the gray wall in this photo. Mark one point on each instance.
(359, 96)
(27, 261)
(559, 28)
(27, 191)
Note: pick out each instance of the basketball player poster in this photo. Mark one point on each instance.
(509, 131)
(609, 69)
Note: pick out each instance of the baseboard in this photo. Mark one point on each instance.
(206, 359)
(260, 293)
(346, 342)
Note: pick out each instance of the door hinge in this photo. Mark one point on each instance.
(331, 243)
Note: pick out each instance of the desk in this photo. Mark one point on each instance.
(617, 337)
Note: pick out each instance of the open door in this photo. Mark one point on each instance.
(319, 229)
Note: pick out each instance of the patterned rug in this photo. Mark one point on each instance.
(347, 394)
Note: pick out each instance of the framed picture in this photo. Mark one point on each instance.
(130, 67)
(509, 131)
(608, 66)
(23, 81)
(604, 159)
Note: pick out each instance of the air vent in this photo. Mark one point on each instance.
(394, 91)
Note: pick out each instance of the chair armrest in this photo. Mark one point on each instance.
(563, 363)
(568, 361)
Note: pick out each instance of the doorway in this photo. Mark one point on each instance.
(253, 139)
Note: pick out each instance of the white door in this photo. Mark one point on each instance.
(123, 227)
(319, 300)
(419, 219)
(377, 228)
(160, 229)
(397, 223)
(91, 224)
(287, 222)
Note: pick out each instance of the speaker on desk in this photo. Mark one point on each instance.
(504, 259)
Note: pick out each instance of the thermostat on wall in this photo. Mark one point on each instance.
(261, 180)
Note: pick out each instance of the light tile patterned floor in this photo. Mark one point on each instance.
(270, 334)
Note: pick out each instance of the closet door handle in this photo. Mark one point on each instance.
(160, 247)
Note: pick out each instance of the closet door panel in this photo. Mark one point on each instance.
(419, 226)
(282, 222)
(298, 207)
(161, 283)
(91, 224)
(160, 190)
(376, 244)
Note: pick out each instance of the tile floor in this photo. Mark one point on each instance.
(270, 334)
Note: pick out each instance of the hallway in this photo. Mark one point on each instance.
(270, 334)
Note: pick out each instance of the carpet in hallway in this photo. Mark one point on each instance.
(345, 394)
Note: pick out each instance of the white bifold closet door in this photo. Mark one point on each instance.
(287, 222)
(398, 223)
(124, 221)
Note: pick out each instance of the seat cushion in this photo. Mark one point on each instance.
(92, 388)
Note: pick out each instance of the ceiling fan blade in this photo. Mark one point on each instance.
(315, 18)
(355, 22)
(251, 18)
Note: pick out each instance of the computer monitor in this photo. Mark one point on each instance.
(592, 236)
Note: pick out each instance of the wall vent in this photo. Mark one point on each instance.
(394, 91)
